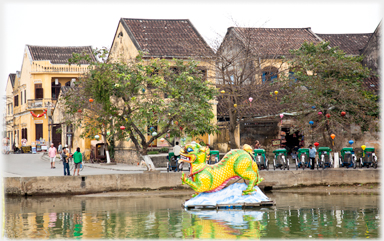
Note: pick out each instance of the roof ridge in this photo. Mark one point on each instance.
(57, 46)
(186, 19)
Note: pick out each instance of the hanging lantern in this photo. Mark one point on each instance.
(154, 133)
(350, 142)
(281, 116)
(97, 137)
(176, 122)
(320, 113)
(181, 128)
(276, 92)
(328, 115)
(333, 137)
(313, 107)
(363, 147)
(311, 122)
(281, 119)
(343, 113)
(79, 111)
(162, 139)
(250, 100)
(316, 144)
(122, 127)
(271, 93)
(91, 100)
(143, 90)
(235, 105)
(223, 91)
(108, 132)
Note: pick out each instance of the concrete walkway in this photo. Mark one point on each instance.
(37, 165)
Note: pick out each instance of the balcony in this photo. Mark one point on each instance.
(41, 103)
(36, 68)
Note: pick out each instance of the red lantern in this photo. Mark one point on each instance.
(181, 128)
(122, 127)
(91, 100)
(79, 111)
(176, 122)
(316, 144)
(328, 115)
(343, 113)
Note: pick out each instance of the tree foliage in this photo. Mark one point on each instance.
(172, 95)
(327, 82)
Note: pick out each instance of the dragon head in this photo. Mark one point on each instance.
(194, 153)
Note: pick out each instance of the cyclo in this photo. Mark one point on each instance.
(325, 157)
(303, 158)
(280, 159)
(173, 163)
(261, 160)
(214, 157)
(347, 158)
(369, 158)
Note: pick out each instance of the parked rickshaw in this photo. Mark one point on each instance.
(303, 158)
(280, 159)
(261, 160)
(369, 158)
(214, 157)
(347, 158)
(325, 157)
(173, 163)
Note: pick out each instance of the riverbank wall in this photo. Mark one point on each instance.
(70, 185)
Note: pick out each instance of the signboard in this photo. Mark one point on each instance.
(33, 150)
(276, 142)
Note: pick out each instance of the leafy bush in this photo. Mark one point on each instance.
(164, 150)
(152, 152)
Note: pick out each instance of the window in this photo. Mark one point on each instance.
(21, 97)
(269, 74)
(16, 100)
(25, 96)
(39, 93)
(24, 134)
(55, 90)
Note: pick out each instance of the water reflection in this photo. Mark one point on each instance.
(295, 216)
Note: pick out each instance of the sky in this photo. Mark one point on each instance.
(80, 23)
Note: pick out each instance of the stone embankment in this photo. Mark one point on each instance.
(69, 185)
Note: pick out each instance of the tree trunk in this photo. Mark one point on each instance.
(106, 149)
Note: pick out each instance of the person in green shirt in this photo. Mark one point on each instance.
(77, 159)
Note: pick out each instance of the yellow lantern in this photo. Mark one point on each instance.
(235, 105)
(276, 92)
(223, 91)
(363, 147)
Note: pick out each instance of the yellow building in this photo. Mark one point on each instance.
(32, 94)
(166, 39)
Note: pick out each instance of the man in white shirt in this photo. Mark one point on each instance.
(176, 153)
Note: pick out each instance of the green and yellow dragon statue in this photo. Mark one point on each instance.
(211, 178)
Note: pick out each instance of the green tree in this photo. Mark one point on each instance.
(326, 82)
(139, 96)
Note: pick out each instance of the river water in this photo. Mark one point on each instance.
(154, 217)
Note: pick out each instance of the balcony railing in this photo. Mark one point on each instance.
(41, 103)
(64, 68)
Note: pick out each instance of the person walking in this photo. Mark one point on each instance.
(59, 148)
(65, 157)
(312, 156)
(77, 159)
(52, 155)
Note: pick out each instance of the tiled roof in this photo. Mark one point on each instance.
(166, 38)
(275, 41)
(12, 79)
(372, 83)
(349, 43)
(57, 55)
(263, 104)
